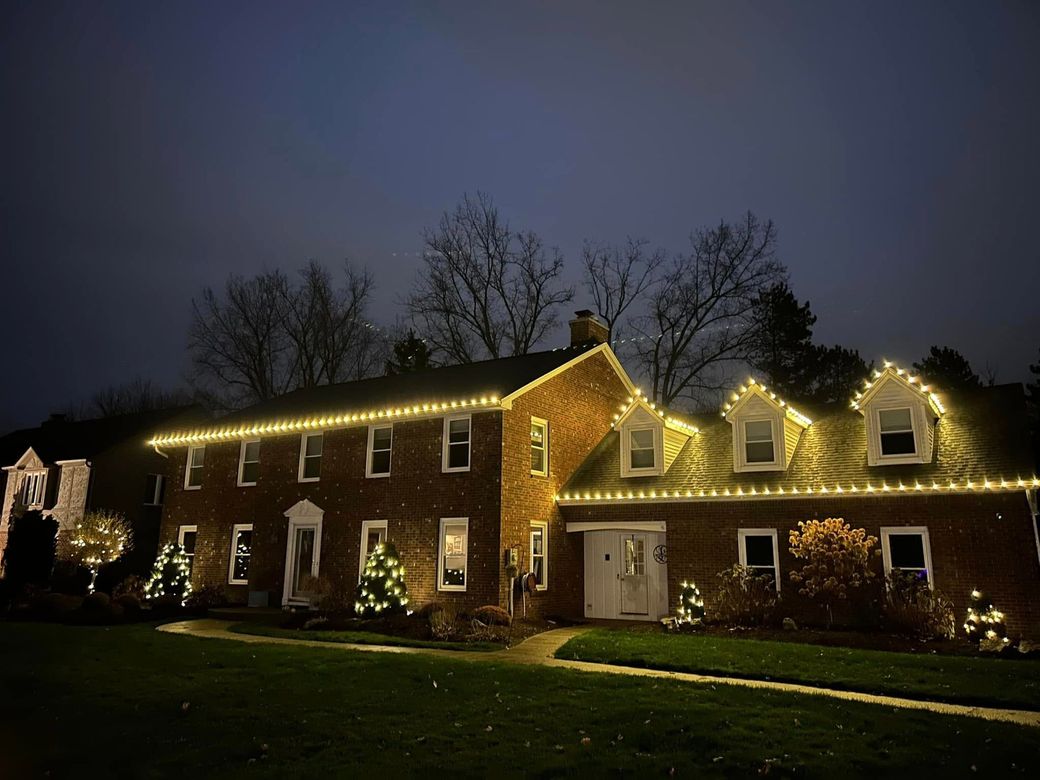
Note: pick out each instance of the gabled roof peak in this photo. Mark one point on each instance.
(640, 401)
(753, 388)
(891, 372)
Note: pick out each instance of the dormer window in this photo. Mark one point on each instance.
(900, 415)
(896, 429)
(758, 441)
(642, 449)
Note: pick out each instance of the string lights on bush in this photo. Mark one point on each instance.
(984, 623)
(170, 577)
(691, 605)
(382, 590)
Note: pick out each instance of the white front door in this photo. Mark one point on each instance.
(624, 579)
(635, 597)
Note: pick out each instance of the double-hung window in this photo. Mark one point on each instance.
(758, 442)
(194, 466)
(249, 463)
(34, 485)
(642, 449)
(540, 553)
(380, 448)
(154, 489)
(241, 552)
(758, 552)
(539, 447)
(457, 440)
(907, 549)
(896, 429)
(452, 553)
(311, 447)
(186, 535)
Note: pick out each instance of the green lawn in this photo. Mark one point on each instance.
(967, 680)
(358, 638)
(128, 701)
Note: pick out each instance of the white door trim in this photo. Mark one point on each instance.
(301, 515)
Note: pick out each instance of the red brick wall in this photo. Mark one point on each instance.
(971, 546)
(412, 500)
(579, 405)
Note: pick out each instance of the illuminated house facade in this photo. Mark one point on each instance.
(66, 468)
(553, 464)
(457, 466)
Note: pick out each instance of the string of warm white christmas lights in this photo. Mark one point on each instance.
(331, 420)
(915, 382)
(793, 413)
(967, 486)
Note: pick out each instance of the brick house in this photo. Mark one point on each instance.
(458, 466)
(67, 468)
(553, 461)
(946, 484)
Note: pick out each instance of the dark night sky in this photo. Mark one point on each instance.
(148, 150)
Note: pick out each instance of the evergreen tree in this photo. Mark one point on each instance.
(171, 576)
(31, 543)
(837, 374)
(782, 351)
(691, 605)
(382, 590)
(984, 624)
(1033, 388)
(947, 369)
(410, 354)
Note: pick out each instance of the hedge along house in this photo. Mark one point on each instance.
(66, 468)
(947, 485)
(457, 466)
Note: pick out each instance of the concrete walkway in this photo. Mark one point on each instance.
(540, 649)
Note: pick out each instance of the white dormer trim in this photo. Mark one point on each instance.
(29, 460)
(890, 390)
(755, 403)
(670, 435)
(626, 449)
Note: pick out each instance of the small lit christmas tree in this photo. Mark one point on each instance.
(171, 576)
(100, 537)
(691, 605)
(382, 589)
(984, 624)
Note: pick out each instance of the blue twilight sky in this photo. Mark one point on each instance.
(150, 149)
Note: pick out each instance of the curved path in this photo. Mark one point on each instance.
(540, 648)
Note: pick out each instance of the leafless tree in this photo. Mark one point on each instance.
(617, 277)
(701, 311)
(265, 336)
(137, 395)
(485, 290)
(331, 340)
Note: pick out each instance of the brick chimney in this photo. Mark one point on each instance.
(585, 328)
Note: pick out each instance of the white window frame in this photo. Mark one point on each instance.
(290, 547)
(39, 493)
(235, 530)
(657, 439)
(544, 526)
(445, 446)
(744, 533)
(242, 462)
(901, 457)
(160, 485)
(908, 530)
(366, 527)
(303, 456)
(370, 451)
(188, 467)
(445, 522)
(750, 464)
(181, 531)
(536, 421)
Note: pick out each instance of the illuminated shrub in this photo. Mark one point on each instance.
(170, 581)
(100, 537)
(836, 560)
(691, 605)
(382, 589)
(984, 623)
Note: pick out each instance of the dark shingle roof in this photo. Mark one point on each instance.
(498, 378)
(57, 440)
(983, 435)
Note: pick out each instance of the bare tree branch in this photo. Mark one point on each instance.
(617, 277)
(701, 317)
(485, 290)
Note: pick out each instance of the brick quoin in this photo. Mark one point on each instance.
(499, 496)
(977, 541)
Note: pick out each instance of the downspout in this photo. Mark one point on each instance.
(1032, 501)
